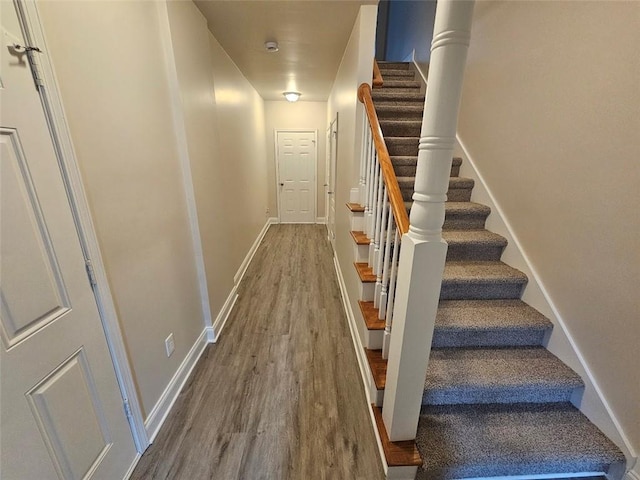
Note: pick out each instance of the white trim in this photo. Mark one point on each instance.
(417, 67)
(237, 278)
(354, 195)
(213, 333)
(535, 281)
(132, 467)
(182, 144)
(56, 117)
(161, 410)
(634, 474)
(321, 220)
(315, 167)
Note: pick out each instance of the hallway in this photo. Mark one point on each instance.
(280, 395)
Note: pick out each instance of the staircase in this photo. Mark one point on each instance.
(495, 402)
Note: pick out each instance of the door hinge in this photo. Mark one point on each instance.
(33, 63)
(90, 273)
(127, 409)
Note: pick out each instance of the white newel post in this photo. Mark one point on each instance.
(423, 251)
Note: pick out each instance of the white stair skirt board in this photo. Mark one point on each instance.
(561, 343)
(367, 291)
(133, 466)
(354, 195)
(634, 474)
(161, 410)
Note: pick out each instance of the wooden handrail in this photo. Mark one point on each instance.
(377, 76)
(388, 174)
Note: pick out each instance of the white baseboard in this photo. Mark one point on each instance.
(321, 220)
(252, 251)
(634, 473)
(213, 333)
(159, 413)
(562, 344)
(132, 467)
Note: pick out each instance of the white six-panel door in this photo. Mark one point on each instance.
(61, 410)
(296, 159)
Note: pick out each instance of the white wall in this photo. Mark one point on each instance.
(225, 135)
(299, 115)
(550, 116)
(355, 68)
(117, 103)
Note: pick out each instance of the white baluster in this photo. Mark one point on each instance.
(375, 243)
(364, 158)
(423, 251)
(378, 267)
(391, 294)
(386, 260)
(372, 191)
(368, 180)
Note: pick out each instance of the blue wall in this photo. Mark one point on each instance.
(410, 26)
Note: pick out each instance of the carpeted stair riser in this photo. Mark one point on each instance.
(497, 375)
(392, 66)
(405, 166)
(402, 146)
(393, 111)
(404, 83)
(468, 441)
(401, 128)
(488, 323)
(390, 73)
(459, 188)
(398, 95)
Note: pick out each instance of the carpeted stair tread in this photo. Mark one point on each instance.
(488, 323)
(398, 95)
(459, 188)
(388, 73)
(460, 441)
(497, 375)
(461, 215)
(383, 65)
(402, 145)
(481, 280)
(400, 84)
(407, 111)
(473, 244)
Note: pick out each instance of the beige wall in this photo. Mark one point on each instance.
(355, 68)
(225, 135)
(241, 154)
(550, 115)
(117, 103)
(299, 115)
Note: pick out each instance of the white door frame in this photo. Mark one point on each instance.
(331, 165)
(315, 166)
(54, 112)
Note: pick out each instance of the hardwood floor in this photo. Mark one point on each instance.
(280, 395)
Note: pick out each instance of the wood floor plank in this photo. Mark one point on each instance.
(279, 396)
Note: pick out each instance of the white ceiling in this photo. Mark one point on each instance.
(312, 35)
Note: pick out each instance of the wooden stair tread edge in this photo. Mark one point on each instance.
(378, 367)
(365, 272)
(370, 315)
(397, 454)
(355, 207)
(360, 237)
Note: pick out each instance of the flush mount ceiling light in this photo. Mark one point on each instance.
(292, 96)
(271, 46)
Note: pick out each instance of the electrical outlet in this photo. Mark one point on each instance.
(169, 345)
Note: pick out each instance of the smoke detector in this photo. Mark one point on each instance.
(271, 46)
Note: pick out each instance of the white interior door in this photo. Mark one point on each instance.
(296, 158)
(331, 180)
(61, 409)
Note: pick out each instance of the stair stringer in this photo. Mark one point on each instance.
(590, 400)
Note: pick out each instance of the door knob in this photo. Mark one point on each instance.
(282, 184)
